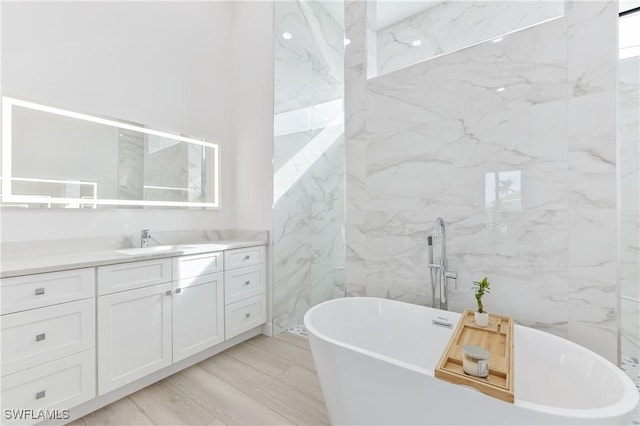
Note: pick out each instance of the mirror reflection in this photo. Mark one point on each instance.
(57, 158)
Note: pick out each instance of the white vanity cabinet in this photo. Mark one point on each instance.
(48, 340)
(198, 309)
(115, 328)
(153, 324)
(245, 290)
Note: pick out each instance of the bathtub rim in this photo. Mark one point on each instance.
(621, 407)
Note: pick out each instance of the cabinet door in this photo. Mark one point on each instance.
(198, 314)
(134, 335)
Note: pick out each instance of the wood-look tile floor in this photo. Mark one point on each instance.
(265, 380)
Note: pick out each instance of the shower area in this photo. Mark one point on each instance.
(524, 139)
(308, 158)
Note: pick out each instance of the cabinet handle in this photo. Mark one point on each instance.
(247, 257)
(178, 290)
(39, 291)
(247, 315)
(167, 293)
(40, 394)
(40, 337)
(247, 282)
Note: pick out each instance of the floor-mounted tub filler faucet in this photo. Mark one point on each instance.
(145, 236)
(438, 272)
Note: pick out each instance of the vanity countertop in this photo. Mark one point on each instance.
(25, 265)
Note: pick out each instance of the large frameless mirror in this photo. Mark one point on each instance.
(57, 158)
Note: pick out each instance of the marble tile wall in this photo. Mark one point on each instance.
(358, 21)
(423, 142)
(308, 238)
(629, 138)
(593, 237)
(446, 26)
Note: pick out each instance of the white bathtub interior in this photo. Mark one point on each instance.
(374, 334)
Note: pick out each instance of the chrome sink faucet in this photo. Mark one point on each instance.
(439, 272)
(145, 236)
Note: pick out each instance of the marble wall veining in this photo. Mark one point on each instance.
(593, 239)
(308, 233)
(629, 146)
(535, 110)
(446, 26)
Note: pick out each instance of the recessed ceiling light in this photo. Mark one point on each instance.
(347, 41)
(416, 43)
(500, 89)
(287, 36)
(497, 40)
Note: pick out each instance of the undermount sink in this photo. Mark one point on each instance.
(154, 249)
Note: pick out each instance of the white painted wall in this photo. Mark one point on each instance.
(166, 64)
(252, 76)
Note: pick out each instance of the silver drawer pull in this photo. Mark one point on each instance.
(247, 282)
(39, 291)
(247, 315)
(40, 337)
(167, 293)
(247, 257)
(178, 290)
(40, 394)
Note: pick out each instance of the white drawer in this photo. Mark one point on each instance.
(41, 335)
(60, 385)
(38, 290)
(127, 276)
(244, 315)
(197, 264)
(242, 283)
(243, 257)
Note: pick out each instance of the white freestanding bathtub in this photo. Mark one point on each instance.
(376, 357)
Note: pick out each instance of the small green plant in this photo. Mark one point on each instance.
(481, 287)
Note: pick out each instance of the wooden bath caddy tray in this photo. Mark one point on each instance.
(497, 338)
